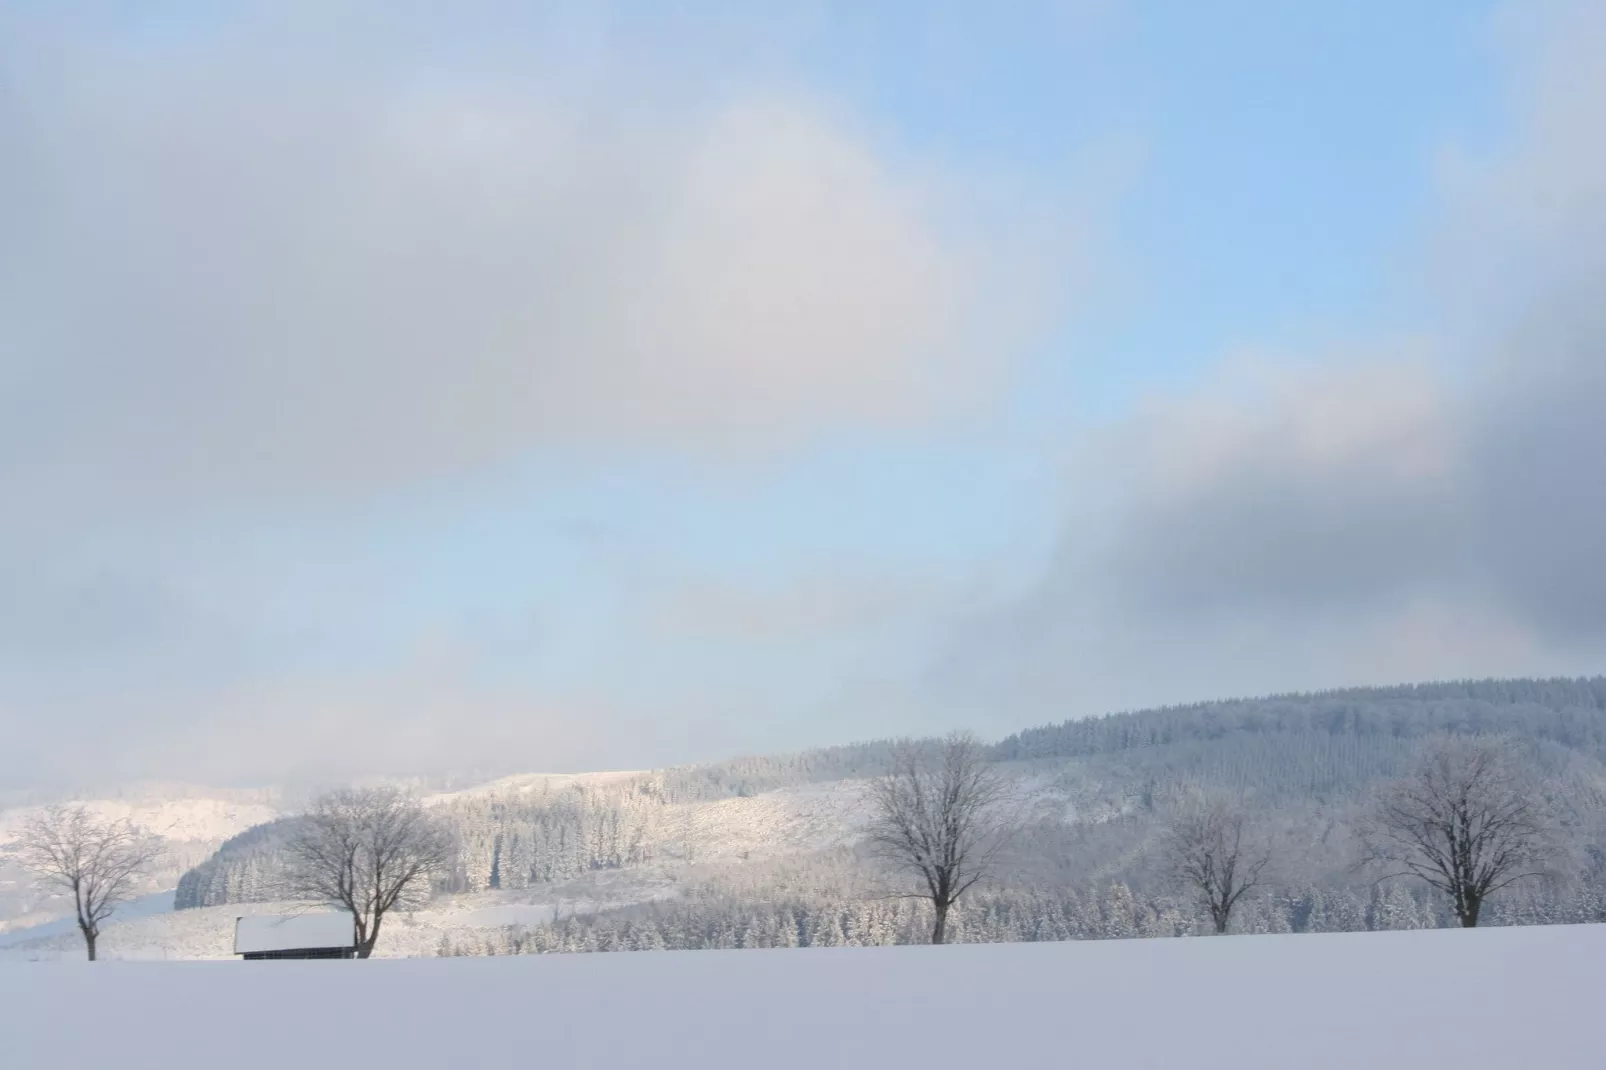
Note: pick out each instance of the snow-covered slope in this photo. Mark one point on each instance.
(689, 838)
(1486, 999)
(191, 821)
(776, 823)
(527, 783)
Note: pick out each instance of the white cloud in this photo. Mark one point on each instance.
(255, 282)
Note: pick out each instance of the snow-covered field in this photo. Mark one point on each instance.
(467, 920)
(1422, 1000)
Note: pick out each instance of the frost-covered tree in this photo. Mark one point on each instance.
(941, 815)
(1210, 855)
(369, 851)
(97, 861)
(1394, 907)
(1466, 821)
(1119, 912)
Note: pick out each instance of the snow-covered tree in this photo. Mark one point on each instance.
(1211, 854)
(368, 851)
(1466, 821)
(942, 816)
(97, 861)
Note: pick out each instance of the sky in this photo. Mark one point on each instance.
(408, 389)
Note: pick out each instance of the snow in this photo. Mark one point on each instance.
(145, 906)
(192, 822)
(467, 920)
(208, 820)
(1418, 1000)
(528, 783)
(772, 824)
(294, 932)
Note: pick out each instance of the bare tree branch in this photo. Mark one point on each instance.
(1464, 821)
(99, 862)
(941, 815)
(1209, 853)
(369, 851)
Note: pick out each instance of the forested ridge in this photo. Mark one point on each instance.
(1087, 862)
(1567, 712)
(708, 918)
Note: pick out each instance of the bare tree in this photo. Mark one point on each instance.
(1209, 854)
(942, 814)
(98, 861)
(1465, 821)
(370, 851)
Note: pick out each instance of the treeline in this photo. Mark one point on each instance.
(837, 899)
(999, 916)
(248, 868)
(741, 777)
(551, 834)
(1566, 712)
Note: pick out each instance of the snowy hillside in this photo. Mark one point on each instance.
(760, 850)
(520, 784)
(1495, 999)
(191, 821)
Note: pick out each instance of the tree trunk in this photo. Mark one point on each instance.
(1468, 914)
(1221, 918)
(939, 928)
(89, 942)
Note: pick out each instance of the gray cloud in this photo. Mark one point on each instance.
(1536, 462)
(1400, 511)
(1331, 489)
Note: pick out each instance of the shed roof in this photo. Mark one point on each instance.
(294, 932)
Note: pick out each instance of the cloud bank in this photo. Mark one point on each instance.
(227, 278)
(269, 271)
(1400, 509)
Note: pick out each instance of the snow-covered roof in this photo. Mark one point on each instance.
(293, 932)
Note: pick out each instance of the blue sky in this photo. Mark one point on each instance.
(622, 384)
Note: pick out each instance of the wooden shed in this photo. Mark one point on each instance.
(321, 935)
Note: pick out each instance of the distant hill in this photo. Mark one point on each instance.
(1566, 712)
(752, 838)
